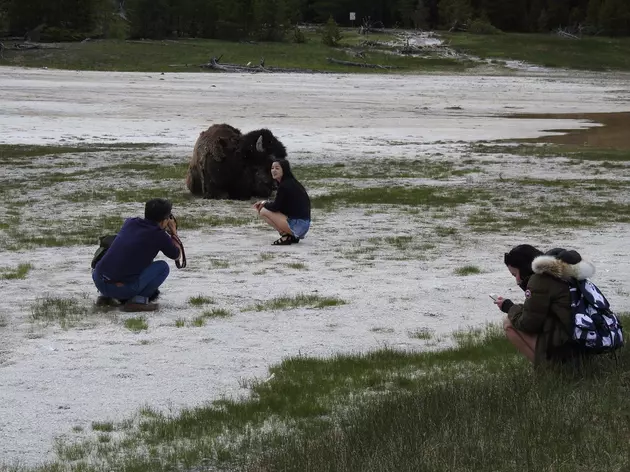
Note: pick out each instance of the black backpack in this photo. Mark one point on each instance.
(104, 243)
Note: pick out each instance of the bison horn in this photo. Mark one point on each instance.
(259, 144)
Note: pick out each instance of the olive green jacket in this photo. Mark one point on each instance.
(546, 311)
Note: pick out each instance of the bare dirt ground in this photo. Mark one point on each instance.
(53, 379)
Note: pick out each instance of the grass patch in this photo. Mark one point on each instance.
(196, 222)
(107, 427)
(397, 195)
(201, 300)
(422, 333)
(11, 152)
(198, 321)
(20, 272)
(467, 270)
(549, 50)
(186, 55)
(570, 213)
(180, 322)
(377, 169)
(297, 266)
(66, 311)
(217, 313)
(136, 324)
(443, 231)
(360, 412)
(555, 150)
(297, 301)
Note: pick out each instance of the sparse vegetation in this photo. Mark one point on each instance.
(106, 427)
(297, 266)
(421, 333)
(297, 301)
(199, 321)
(136, 324)
(217, 313)
(66, 311)
(397, 195)
(20, 272)
(200, 300)
(180, 322)
(370, 404)
(468, 270)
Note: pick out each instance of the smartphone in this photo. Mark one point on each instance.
(494, 297)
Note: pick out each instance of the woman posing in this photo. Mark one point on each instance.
(290, 212)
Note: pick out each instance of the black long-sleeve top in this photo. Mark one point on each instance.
(291, 200)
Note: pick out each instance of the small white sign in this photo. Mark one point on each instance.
(353, 16)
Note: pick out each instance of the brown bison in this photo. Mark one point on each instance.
(228, 164)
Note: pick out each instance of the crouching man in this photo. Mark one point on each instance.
(127, 271)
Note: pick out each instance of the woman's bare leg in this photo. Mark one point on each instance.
(277, 220)
(525, 343)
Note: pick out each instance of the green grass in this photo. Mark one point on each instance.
(217, 313)
(422, 333)
(555, 150)
(106, 427)
(23, 151)
(468, 270)
(200, 300)
(180, 322)
(20, 272)
(377, 169)
(550, 50)
(187, 55)
(476, 406)
(136, 324)
(297, 266)
(297, 301)
(398, 195)
(568, 213)
(68, 312)
(199, 321)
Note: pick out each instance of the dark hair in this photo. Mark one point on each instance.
(286, 169)
(157, 209)
(521, 257)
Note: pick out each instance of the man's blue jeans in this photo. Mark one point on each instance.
(140, 289)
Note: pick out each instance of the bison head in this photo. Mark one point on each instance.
(261, 146)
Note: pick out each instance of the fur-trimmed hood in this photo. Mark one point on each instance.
(562, 270)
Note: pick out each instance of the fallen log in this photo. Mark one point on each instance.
(361, 64)
(215, 65)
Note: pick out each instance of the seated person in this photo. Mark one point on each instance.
(127, 271)
(541, 327)
(290, 212)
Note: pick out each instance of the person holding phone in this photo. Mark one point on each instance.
(540, 327)
(290, 212)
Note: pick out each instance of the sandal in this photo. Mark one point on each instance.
(283, 240)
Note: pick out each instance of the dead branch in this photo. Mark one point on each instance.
(27, 45)
(360, 64)
(566, 34)
(215, 65)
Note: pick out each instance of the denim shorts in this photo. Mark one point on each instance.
(299, 227)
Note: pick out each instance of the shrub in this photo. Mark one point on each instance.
(481, 26)
(331, 34)
(298, 35)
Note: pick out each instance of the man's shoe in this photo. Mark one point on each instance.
(155, 296)
(132, 306)
(102, 300)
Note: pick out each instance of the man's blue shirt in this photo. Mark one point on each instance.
(133, 250)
